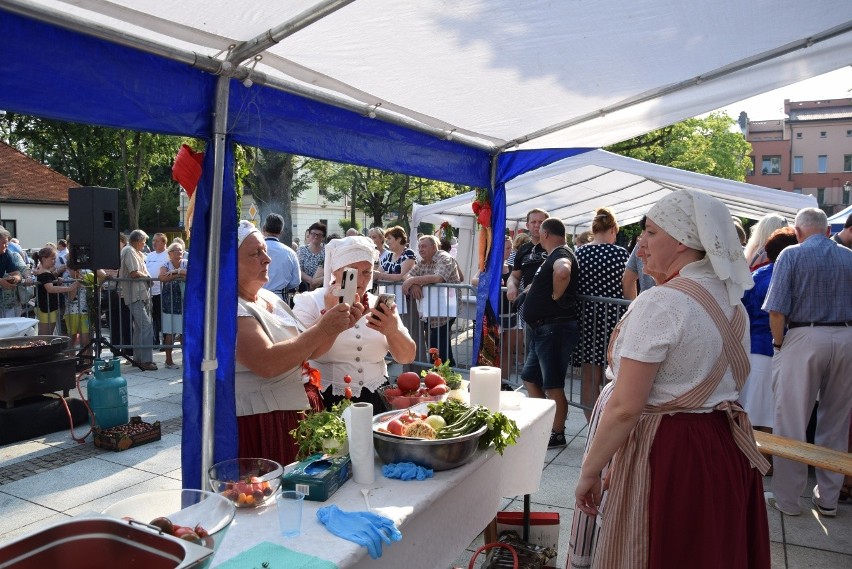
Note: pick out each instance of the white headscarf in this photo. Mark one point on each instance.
(702, 222)
(244, 229)
(345, 251)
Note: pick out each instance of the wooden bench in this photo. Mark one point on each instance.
(821, 457)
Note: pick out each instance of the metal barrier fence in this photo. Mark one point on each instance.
(445, 318)
(458, 302)
(103, 308)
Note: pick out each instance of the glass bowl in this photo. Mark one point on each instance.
(393, 403)
(185, 508)
(247, 482)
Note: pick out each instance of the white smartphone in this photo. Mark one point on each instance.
(349, 286)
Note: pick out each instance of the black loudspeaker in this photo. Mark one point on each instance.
(93, 220)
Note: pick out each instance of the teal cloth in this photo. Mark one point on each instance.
(278, 557)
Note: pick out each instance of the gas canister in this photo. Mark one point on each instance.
(107, 392)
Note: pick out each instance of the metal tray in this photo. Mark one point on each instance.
(101, 542)
(10, 353)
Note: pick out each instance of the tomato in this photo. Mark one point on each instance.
(395, 427)
(201, 531)
(347, 393)
(432, 379)
(407, 418)
(438, 390)
(392, 392)
(408, 381)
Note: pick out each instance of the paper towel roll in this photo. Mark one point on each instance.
(359, 429)
(485, 387)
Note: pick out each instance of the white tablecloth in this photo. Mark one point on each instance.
(438, 517)
(14, 327)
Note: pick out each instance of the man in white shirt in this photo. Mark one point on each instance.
(284, 272)
(153, 261)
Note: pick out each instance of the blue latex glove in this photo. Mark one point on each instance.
(364, 528)
(406, 471)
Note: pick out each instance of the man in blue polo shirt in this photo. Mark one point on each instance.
(811, 294)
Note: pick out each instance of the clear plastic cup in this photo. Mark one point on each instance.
(289, 504)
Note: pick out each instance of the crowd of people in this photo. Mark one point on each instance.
(140, 301)
(712, 331)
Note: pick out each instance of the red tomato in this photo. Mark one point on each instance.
(347, 393)
(392, 392)
(432, 379)
(395, 427)
(408, 381)
(438, 390)
(407, 418)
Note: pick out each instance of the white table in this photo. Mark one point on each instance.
(438, 517)
(14, 327)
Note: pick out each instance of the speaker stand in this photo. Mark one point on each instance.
(98, 342)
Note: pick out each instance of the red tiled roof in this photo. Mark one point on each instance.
(23, 179)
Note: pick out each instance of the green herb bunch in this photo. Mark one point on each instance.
(463, 419)
(316, 427)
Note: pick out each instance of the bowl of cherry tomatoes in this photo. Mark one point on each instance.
(410, 390)
(247, 482)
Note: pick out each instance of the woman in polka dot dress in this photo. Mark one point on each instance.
(601, 270)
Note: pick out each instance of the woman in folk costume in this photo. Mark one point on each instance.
(684, 486)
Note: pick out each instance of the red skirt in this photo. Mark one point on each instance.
(267, 435)
(706, 504)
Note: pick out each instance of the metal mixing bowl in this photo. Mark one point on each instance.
(435, 454)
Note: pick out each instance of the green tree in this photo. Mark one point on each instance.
(707, 146)
(275, 179)
(380, 193)
(97, 156)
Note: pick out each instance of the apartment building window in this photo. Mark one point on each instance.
(820, 196)
(822, 134)
(849, 133)
(63, 228)
(771, 165)
(822, 164)
(797, 191)
(797, 164)
(847, 162)
(798, 135)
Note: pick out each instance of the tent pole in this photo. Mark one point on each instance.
(209, 363)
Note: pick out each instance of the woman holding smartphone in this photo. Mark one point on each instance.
(360, 351)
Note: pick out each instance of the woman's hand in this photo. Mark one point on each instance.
(336, 319)
(588, 493)
(384, 322)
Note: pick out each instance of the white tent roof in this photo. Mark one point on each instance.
(839, 218)
(493, 73)
(572, 188)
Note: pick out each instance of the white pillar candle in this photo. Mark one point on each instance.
(485, 387)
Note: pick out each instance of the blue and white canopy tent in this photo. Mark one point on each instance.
(473, 92)
(838, 220)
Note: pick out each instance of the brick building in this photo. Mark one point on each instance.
(809, 152)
